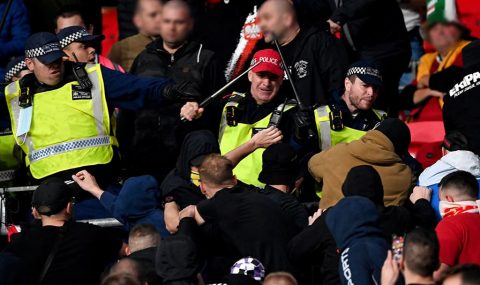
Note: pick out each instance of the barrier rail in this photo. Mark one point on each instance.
(105, 222)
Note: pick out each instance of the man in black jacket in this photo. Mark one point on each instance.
(374, 30)
(316, 60)
(176, 57)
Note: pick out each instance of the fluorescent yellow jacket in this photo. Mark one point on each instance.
(328, 137)
(231, 137)
(70, 127)
(8, 162)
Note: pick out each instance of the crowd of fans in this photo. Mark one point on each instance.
(295, 164)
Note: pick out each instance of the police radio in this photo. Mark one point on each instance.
(81, 75)
(336, 119)
(277, 115)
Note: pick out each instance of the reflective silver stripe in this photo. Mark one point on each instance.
(97, 102)
(12, 88)
(68, 146)
(325, 136)
(7, 175)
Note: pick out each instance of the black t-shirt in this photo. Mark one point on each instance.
(295, 212)
(251, 224)
(83, 253)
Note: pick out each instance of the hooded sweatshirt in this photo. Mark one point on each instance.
(451, 162)
(363, 249)
(332, 166)
(177, 186)
(136, 203)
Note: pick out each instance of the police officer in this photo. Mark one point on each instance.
(351, 116)
(9, 154)
(79, 45)
(244, 114)
(60, 112)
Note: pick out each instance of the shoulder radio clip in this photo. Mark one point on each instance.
(81, 75)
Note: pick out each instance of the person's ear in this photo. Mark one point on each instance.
(250, 76)
(30, 64)
(203, 188)
(69, 209)
(137, 21)
(127, 250)
(348, 84)
(449, 198)
(36, 215)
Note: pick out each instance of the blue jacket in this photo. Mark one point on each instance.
(14, 33)
(136, 203)
(453, 161)
(353, 223)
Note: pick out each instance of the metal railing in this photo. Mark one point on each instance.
(105, 222)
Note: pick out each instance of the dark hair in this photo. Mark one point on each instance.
(421, 252)
(469, 273)
(462, 181)
(71, 10)
(121, 279)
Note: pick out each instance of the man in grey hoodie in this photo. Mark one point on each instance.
(456, 156)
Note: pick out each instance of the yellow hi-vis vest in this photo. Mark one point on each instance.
(328, 137)
(70, 127)
(8, 162)
(231, 137)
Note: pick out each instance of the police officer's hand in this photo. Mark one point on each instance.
(87, 182)
(267, 137)
(191, 111)
(181, 92)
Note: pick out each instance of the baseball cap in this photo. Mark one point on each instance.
(14, 67)
(51, 196)
(76, 34)
(270, 61)
(368, 72)
(44, 46)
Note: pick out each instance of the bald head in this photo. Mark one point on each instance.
(280, 278)
(278, 19)
(177, 23)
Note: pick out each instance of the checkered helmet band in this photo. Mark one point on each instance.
(364, 71)
(14, 70)
(48, 48)
(73, 37)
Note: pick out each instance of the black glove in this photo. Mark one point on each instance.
(181, 92)
(304, 124)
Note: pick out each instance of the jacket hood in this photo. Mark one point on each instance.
(138, 199)
(374, 148)
(456, 160)
(351, 219)
(195, 143)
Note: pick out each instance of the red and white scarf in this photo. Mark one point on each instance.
(448, 209)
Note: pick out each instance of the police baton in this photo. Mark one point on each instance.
(221, 90)
(301, 106)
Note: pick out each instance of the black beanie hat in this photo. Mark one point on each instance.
(398, 133)
(280, 165)
(364, 180)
